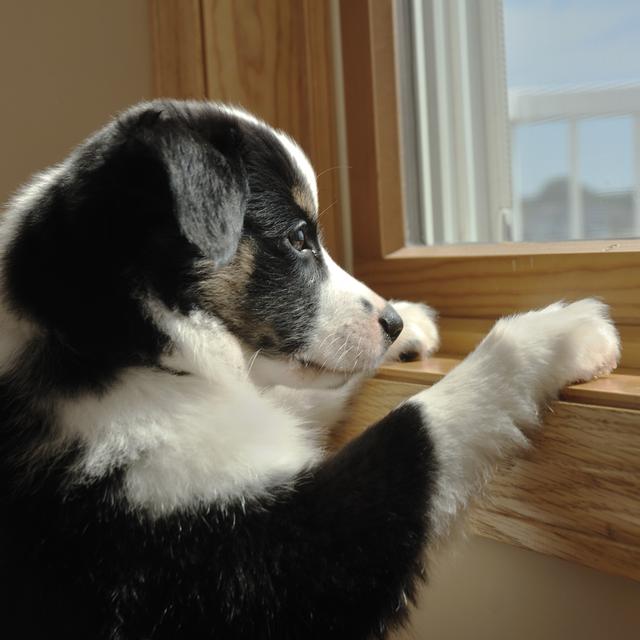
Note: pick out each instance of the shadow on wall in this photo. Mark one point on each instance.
(66, 67)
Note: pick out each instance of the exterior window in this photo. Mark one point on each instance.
(520, 121)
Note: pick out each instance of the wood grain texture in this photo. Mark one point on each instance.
(493, 286)
(575, 495)
(618, 390)
(177, 45)
(372, 132)
(323, 143)
(387, 138)
(630, 336)
(274, 58)
(482, 250)
(460, 336)
(361, 143)
(256, 57)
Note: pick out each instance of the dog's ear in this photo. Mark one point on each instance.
(208, 186)
(206, 178)
(155, 172)
(129, 211)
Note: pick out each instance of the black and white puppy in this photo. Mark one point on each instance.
(175, 341)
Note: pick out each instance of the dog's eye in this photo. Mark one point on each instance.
(298, 238)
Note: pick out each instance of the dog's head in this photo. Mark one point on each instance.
(207, 210)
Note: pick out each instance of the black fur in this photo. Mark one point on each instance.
(336, 556)
(277, 295)
(140, 202)
(136, 211)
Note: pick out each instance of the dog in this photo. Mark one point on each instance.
(176, 343)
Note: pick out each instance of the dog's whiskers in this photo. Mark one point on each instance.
(359, 353)
(343, 166)
(329, 347)
(344, 354)
(342, 346)
(322, 366)
(335, 354)
(252, 361)
(329, 335)
(326, 209)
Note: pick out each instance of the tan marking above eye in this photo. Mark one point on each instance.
(304, 199)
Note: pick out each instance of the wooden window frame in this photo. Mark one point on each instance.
(572, 496)
(469, 285)
(595, 521)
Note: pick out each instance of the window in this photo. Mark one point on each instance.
(441, 133)
(453, 115)
(476, 273)
(468, 254)
(520, 120)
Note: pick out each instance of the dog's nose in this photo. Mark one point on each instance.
(391, 322)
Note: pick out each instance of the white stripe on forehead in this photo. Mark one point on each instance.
(303, 164)
(296, 154)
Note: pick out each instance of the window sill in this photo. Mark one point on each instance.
(574, 493)
(620, 390)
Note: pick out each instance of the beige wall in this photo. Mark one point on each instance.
(65, 67)
(483, 590)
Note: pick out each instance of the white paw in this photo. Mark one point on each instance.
(572, 342)
(419, 337)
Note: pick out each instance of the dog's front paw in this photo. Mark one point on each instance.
(419, 337)
(573, 342)
(592, 345)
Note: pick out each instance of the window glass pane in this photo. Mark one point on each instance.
(521, 119)
(563, 43)
(576, 64)
(540, 181)
(606, 152)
